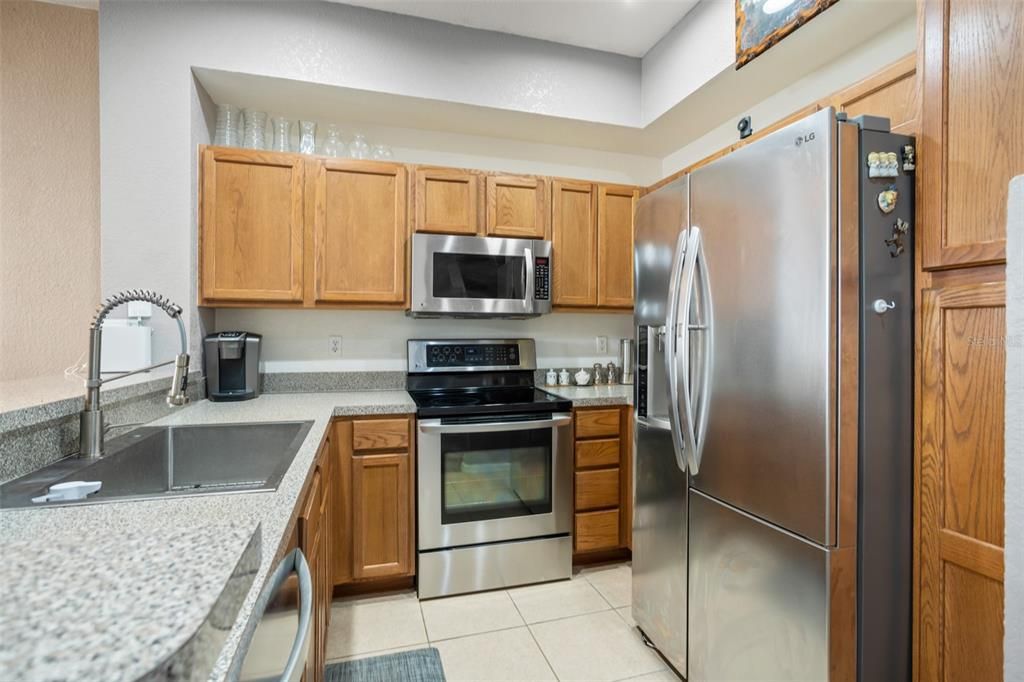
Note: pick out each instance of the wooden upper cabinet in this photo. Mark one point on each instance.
(516, 207)
(251, 226)
(893, 92)
(960, 474)
(972, 132)
(447, 201)
(359, 231)
(574, 243)
(615, 208)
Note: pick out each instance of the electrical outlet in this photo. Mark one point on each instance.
(334, 345)
(602, 345)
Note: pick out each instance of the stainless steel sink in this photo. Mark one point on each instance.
(166, 461)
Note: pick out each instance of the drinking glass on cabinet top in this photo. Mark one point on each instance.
(360, 148)
(282, 134)
(307, 137)
(381, 152)
(255, 130)
(228, 130)
(333, 144)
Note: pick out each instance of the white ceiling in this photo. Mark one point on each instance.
(627, 27)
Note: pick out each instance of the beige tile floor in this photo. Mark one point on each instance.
(578, 629)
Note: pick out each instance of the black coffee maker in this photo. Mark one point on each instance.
(232, 365)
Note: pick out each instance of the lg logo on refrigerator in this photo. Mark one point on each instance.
(804, 138)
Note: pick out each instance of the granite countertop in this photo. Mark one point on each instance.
(43, 653)
(165, 562)
(593, 396)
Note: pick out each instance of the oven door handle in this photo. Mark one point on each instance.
(435, 425)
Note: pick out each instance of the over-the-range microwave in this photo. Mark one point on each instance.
(480, 276)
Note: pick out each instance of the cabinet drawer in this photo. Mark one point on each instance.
(597, 453)
(597, 423)
(597, 530)
(596, 489)
(380, 434)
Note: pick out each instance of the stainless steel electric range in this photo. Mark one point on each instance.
(494, 469)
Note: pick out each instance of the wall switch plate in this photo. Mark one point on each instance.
(334, 345)
(602, 345)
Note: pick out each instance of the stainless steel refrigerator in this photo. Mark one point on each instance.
(774, 300)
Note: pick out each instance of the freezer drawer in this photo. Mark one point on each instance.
(659, 545)
(759, 599)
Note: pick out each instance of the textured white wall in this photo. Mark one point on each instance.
(49, 186)
(698, 48)
(868, 58)
(296, 340)
(1013, 647)
(151, 117)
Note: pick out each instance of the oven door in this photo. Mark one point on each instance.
(506, 478)
(479, 276)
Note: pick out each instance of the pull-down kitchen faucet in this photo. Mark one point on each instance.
(92, 427)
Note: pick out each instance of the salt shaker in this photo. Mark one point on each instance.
(599, 376)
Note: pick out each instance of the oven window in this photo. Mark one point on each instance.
(495, 475)
(464, 275)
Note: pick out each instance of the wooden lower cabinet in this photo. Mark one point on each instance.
(960, 474)
(381, 523)
(313, 528)
(602, 480)
(374, 481)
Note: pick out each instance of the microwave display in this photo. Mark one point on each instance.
(470, 275)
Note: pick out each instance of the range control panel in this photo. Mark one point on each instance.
(542, 278)
(473, 355)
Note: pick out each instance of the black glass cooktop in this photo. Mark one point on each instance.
(486, 400)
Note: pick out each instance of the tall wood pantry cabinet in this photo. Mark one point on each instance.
(971, 57)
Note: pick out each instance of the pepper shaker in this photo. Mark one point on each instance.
(599, 376)
(612, 373)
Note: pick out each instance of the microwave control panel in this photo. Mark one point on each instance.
(542, 278)
(473, 355)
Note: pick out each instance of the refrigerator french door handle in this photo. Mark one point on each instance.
(654, 423)
(707, 331)
(680, 339)
(671, 368)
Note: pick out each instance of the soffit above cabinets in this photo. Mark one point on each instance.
(724, 94)
(626, 27)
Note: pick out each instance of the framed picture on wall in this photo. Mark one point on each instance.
(762, 23)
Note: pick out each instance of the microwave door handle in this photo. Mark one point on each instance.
(530, 283)
(435, 425)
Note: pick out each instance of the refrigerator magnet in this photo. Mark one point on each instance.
(887, 199)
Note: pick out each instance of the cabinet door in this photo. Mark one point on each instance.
(311, 541)
(574, 243)
(972, 133)
(960, 474)
(447, 201)
(893, 93)
(359, 232)
(341, 504)
(615, 206)
(382, 530)
(251, 226)
(516, 207)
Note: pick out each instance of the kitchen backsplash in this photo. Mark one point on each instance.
(296, 341)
